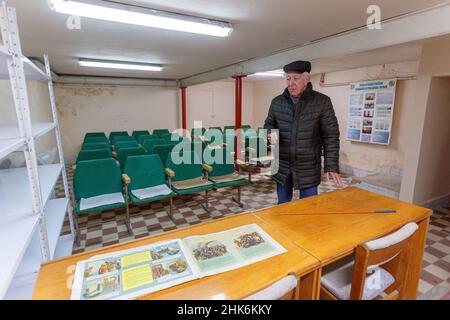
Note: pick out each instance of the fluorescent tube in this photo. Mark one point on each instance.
(111, 11)
(118, 65)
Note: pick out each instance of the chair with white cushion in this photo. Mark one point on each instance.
(377, 268)
(283, 289)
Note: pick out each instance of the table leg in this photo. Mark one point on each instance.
(309, 286)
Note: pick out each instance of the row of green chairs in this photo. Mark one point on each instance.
(102, 180)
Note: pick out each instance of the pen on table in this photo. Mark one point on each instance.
(328, 213)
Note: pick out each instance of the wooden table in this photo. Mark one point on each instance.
(237, 284)
(333, 236)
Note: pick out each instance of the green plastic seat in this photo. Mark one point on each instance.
(189, 177)
(245, 127)
(96, 140)
(95, 134)
(163, 150)
(160, 132)
(117, 139)
(224, 174)
(137, 133)
(146, 137)
(145, 172)
(117, 134)
(95, 154)
(125, 144)
(215, 136)
(124, 153)
(151, 143)
(172, 138)
(95, 146)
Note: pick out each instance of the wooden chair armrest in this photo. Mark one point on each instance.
(114, 154)
(126, 179)
(207, 168)
(74, 167)
(170, 173)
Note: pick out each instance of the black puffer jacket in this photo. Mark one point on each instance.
(304, 129)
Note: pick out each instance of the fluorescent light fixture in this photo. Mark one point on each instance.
(274, 73)
(119, 65)
(112, 11)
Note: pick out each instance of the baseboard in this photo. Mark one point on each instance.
(437, 202)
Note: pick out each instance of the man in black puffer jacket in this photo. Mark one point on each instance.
(304, 123)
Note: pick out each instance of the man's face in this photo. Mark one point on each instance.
(296, 83)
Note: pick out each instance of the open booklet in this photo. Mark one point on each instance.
(139, 271)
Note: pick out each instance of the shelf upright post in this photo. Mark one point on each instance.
(59, 142)
(10, 35)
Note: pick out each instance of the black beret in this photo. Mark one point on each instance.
(298, 66)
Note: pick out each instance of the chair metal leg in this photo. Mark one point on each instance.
(238, 199)
(171, 208)
(77, 231)
(206, 205)
(127, 219)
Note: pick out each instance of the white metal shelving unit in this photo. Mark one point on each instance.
(30, 218)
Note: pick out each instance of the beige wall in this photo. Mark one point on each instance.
(363, 156)
(415, 181)
(433, 174)
(115, 108)
(214, 104)
(112, 108)
(40, 112)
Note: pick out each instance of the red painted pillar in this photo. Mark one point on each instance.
(238, 114)
(183, 108)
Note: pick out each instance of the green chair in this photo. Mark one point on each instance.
(95, 146)
(172, 138)
(245, 127)
(95, 140)
(189, 178)
(124, 153)
(150, 144)
(117, 134)
(147, 181)
(95, 154)
(98, 187)
(95, 134)
(223, 173)
(117, 139)
(146, 137)
(163, 151)
(215, 137)
(137, 133)
(160, 132)
(125, 144)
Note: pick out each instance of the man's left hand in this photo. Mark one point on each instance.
(336, 178)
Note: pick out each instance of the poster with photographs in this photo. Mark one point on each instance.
(370, 111)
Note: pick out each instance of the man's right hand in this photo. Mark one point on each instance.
(273, 138)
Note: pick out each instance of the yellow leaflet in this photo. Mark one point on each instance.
(137, 277)
(135, 258)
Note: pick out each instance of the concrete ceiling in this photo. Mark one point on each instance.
(261, 27)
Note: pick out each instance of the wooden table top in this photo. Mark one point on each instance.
(329, 237)
(237, 284)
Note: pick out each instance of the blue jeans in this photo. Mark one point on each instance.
(285, 192)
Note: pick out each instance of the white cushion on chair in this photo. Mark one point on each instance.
(404, 233)
(102, 200)
(337, 278)
(276, 290)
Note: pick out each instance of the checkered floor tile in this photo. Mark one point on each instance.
(108, 228)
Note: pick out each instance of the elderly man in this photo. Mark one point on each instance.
(306, 124)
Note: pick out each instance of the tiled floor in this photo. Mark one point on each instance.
(107, 228)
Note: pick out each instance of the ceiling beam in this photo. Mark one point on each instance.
(428, 23)
(116, 81)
